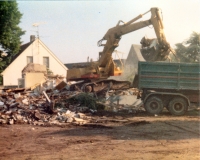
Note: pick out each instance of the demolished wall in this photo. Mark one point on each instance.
(34, 74)
(33, 78)
(32, 67)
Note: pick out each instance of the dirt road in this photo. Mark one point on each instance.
(110, 137)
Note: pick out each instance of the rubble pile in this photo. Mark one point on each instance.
(45, 109)
(58, 106)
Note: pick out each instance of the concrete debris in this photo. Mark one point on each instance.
(50, 108)
(61, 85)
(58, 106)
(124, 101)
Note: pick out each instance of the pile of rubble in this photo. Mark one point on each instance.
(18, 106)
(60, 106)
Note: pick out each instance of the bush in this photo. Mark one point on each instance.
(84, 99)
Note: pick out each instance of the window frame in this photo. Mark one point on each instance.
(27, 59)
(47, 58)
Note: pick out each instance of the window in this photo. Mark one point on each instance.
(29, 59)
(46, 61)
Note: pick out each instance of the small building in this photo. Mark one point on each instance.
(35, 52)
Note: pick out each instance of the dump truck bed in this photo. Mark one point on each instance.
(166, 75)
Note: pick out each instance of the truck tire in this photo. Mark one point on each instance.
(178, 106)
(153, 105)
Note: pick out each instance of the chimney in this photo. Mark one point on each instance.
(32, 38)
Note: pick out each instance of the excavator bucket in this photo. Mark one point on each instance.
(151, 51)
(153, 54)
(149, 54)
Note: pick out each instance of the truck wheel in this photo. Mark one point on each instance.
(178, 106)
(153, 105)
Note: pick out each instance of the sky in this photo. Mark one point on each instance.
(71, 29)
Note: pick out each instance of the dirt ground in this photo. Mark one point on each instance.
(112, 136)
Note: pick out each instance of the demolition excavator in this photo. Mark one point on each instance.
(94, 76)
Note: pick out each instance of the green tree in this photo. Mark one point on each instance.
(189, 50)
(10, 31)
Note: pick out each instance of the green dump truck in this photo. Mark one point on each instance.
(171, 85)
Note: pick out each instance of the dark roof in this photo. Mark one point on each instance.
(84, 64)
(22, 48)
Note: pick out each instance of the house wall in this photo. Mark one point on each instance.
(38, 50)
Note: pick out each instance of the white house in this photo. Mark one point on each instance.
(33, 52)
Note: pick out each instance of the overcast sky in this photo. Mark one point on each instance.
(71, 29)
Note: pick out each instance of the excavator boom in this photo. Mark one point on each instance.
(114, 34)
(105, 66)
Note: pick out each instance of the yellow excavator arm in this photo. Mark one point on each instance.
(114, 34)
(105, 67)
